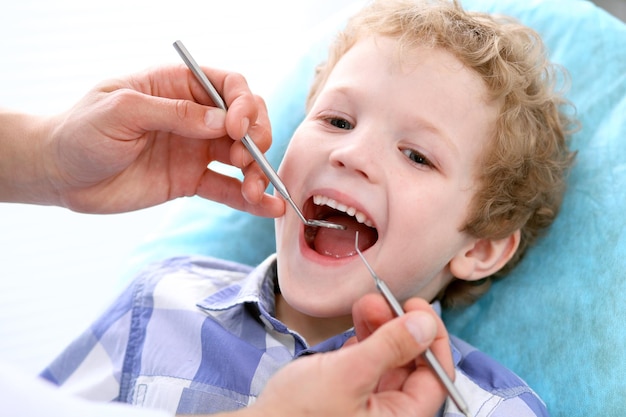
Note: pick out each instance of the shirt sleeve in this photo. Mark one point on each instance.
(524, 405)
(91, 366)
(26, 396)
(489, 388)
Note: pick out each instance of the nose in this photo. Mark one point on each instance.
(360, 154)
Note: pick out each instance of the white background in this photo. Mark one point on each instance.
(59, 269)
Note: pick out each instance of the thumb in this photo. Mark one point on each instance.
(399, 341)
(181, 117)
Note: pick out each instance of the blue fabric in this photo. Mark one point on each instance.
(197, 335)
(186, 337)
(557, 320)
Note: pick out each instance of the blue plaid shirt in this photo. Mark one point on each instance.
(198, 335)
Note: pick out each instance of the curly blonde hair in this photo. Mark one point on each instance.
(522, 176)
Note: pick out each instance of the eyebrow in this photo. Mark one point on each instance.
(420, 123)
(343, 90)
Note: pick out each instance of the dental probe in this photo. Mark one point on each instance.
(428, 354)
(247, 141)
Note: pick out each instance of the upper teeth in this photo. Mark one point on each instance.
(326, 201)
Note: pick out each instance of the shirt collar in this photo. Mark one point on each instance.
(259, 288)
(256, 288)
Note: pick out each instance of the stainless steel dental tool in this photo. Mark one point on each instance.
(428, 354)
(247, 141)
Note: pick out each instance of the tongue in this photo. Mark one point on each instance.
(340, 243)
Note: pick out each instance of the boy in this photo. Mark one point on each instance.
(433, 132)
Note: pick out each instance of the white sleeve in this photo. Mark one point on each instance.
(27, 396)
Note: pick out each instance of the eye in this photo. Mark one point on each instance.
(416, 157)
(340, 123)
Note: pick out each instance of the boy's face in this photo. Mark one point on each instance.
(397, 145)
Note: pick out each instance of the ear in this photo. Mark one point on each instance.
(484, 257)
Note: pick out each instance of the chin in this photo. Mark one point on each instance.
(319, 304)
(321, 287)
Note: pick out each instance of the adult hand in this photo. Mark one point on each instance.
(382, 375)
(428, 393)
(139, 141)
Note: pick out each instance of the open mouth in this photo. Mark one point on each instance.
(337, 243)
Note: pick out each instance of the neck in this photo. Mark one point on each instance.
(314, 329)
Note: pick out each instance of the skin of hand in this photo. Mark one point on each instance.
(142, 140)
(383, 374)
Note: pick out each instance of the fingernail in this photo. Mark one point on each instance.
(214, 118)
(422, 327)
(262, 185)
(245, 124)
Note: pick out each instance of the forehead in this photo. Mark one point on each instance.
(427, 79)
(397, 58)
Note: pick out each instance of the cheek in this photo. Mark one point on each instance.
(293, 159)
(434, 204)
(418, 273)
(285, 165)
(424, 236)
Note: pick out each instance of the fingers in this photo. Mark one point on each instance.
(402, 340)
(228, 190)
(259, 131)
(170, 99)
(145, 113)
(397, 346)
(441, 345)
(242, 106)
(372, 311)
(387, 352)
(369, 313)
(247, 113)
